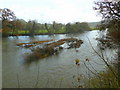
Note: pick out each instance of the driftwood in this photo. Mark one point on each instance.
(32, 43)
(53, 44)
(51, 48)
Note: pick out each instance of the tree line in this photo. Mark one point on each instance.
(11, 25)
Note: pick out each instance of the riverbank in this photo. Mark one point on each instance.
(36, 34)
(42, 32)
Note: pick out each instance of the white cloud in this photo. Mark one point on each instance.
(53, 10)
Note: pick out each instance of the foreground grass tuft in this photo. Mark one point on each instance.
(105, 79)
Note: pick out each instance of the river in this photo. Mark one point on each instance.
(54, 71)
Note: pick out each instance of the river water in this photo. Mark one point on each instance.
(54, 71)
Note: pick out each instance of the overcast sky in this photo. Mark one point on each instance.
(62, 11)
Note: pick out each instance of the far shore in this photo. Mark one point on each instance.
(41, 34)
(28, 34)
(36, 34)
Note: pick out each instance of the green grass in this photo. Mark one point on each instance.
(93, 28)
(41, 31)
(61, 30)
(20, 32)
(23, 32)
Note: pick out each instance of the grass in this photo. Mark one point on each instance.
(106, 79)
(61, 30)
(41, 31)
(21, 32)
(93, 28)
(27, 32)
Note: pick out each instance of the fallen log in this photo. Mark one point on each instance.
(35, 42)
(51, 48)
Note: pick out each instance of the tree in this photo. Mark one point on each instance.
(57, 26)
(16, 25)
(23, 24)
(32, 26)
(54, 26)
(84, 26)
(77, 27)
(68, 27)
(7, 16)
(46, 27)
(110, 12)
(49, 28)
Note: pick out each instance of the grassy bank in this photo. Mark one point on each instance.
(37, 32)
